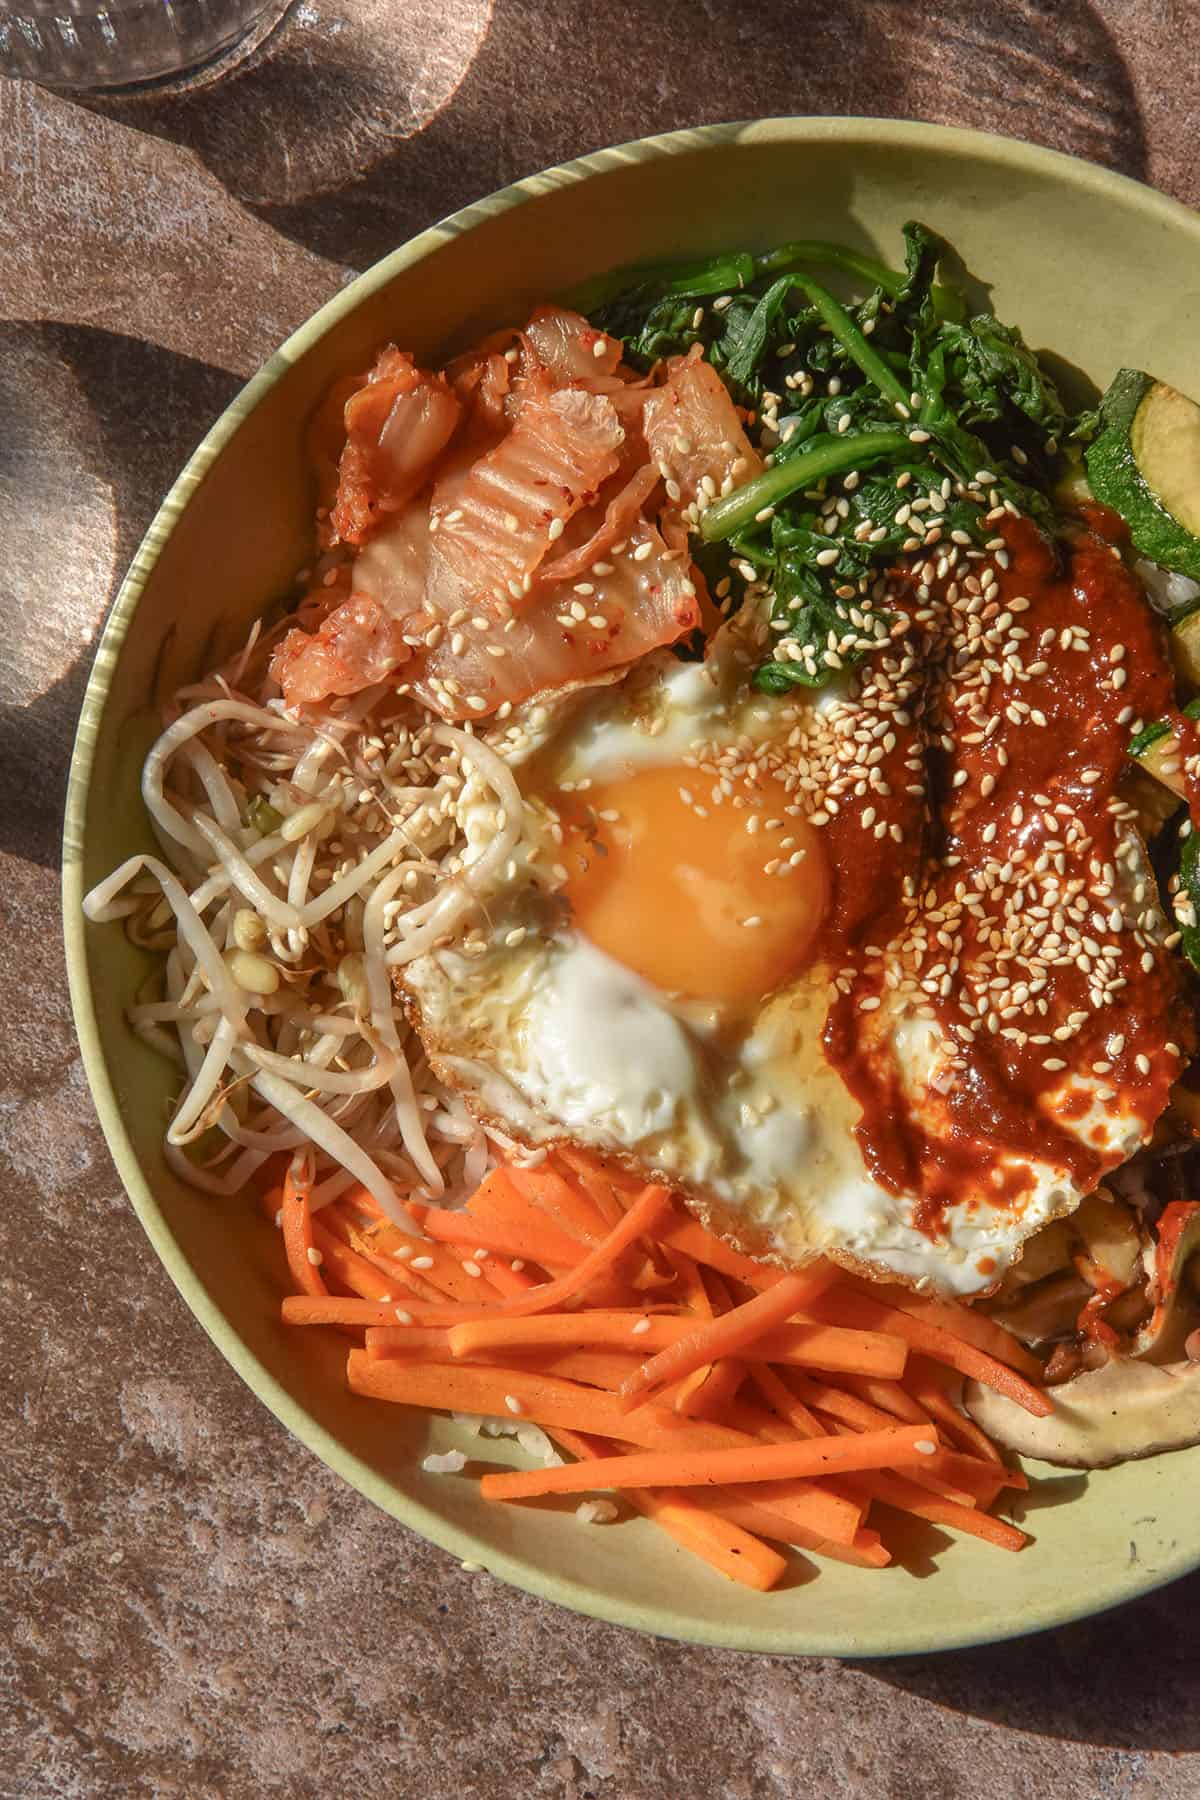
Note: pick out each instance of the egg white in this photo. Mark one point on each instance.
(556, 1041)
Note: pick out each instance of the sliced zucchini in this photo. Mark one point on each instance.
(1185, 645)
(1144, 462)
(1156, 748)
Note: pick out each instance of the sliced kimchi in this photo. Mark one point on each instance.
(570, 631)
(510, 521)
(694, 434)
(518, 497)
(397, 425)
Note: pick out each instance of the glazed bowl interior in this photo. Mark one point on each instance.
(1099, 270)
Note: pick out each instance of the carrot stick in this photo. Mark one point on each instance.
(296, 1219)
(301, 1309)
(691, 1237)
(596, 1368)
(781, 1399)
(963, 1322)
(507, 1280)
(436, 1265)
(760, 1462)
(642, 1217)
(837, 1403)
(695, 1299)
(888, 1396)
(553, 1402)
(866, 1552)
(454, 1387)
(807, 1345)
(424, 1341)
(730, 1334)
(541, 1243)
(719, 1542)
(352, 1270)
(853, 1308)
(923, 1380)
(894, 1490)
(712, 1535)
(711, 1397)
(544, 1190)
(608, 1188)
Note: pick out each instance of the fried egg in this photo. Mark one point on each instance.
(648, 983)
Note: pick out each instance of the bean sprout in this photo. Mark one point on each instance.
(304, 859)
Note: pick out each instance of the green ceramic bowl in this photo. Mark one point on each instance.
(1097, 268)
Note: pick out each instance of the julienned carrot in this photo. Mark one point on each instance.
(889, 1396)
(696, 1300)
(759, 1515)
(543, 1190)
(807, 1345)
(689, 1236)
(605, 1369)
(923, 1380)
(425, 1341)
(643, 1216)
(624, 1330)
(299, 1245)
(538, 1243)
(839, 1404)
(732, 1332)
(351, 1269)
(303, 1309)
(501, 1275)
(609, 1190)
(555, 1403)
(809, 1457)
(779, 1395)
(712, 1535)
(711, 1397)
(894, 1490)
(457, 1387)
(850, 1307)
(716, 1539)
(963, 1322)
(439, 1266)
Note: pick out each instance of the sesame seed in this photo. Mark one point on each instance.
(513, 1404)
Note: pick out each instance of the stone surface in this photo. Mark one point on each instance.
(192, 1605)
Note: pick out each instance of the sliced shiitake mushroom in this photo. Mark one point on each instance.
(1132, 1406)
(1125, 1410)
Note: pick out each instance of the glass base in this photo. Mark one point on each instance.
(132, 46)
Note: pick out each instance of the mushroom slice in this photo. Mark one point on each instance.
(1047, 1311)
(1114, 1414)
(1177, 1304)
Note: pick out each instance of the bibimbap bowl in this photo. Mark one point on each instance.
(1091, 266)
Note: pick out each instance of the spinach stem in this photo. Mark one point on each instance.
(738, 509)
(853, 342)
(834, 256)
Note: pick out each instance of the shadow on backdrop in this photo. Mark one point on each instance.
(391, 144)
(125, 415)
(1126, 1680)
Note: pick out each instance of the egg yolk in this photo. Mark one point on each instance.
(717, 901)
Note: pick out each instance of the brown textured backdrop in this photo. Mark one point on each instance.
(190, 1605)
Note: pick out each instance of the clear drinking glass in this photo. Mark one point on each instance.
(82, 46)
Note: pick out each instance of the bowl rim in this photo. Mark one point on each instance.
(813, 1639)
